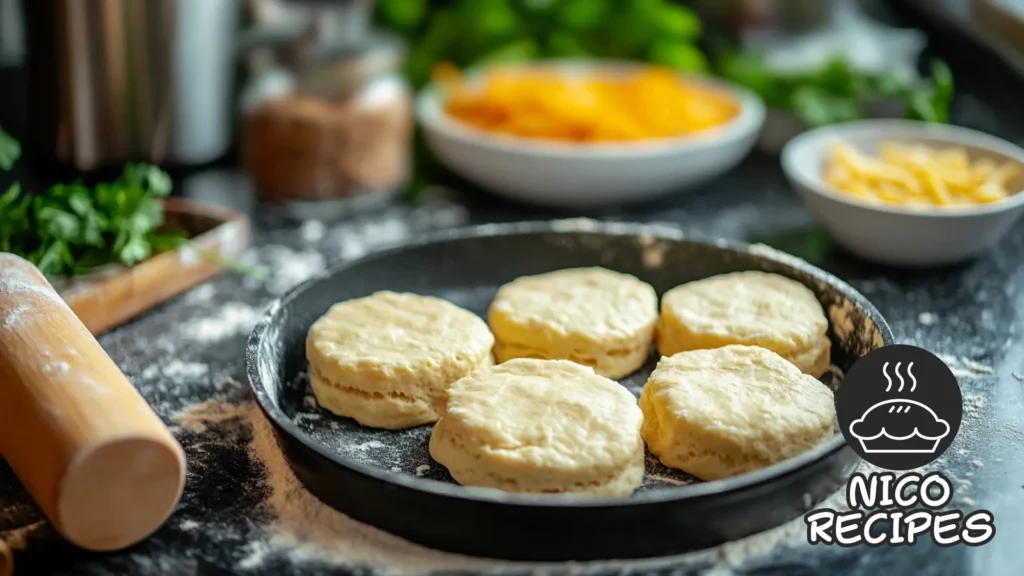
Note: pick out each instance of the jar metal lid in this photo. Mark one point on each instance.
(339, 70)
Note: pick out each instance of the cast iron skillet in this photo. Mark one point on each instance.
(387, 479)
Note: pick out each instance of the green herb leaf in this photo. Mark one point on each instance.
(836, 92)
(837, 77)
(886, 85)
(10, 196)
(581, 15)
(49, 257)
(403, 14)
(90, 260)
(680, 23)
(565, 46)
(518, 51)
(149, 213)
(10, 150)
(158, 182)
(252, 270)
(70, 229)
(80, 202)
(135, 250)
(57, 224)
(817, 107)
(931, 102)
(751, 70)
(679, 55)
(168, 240)
(942, 79)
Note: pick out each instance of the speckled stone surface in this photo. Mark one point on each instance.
(191, 349)
(970, 314)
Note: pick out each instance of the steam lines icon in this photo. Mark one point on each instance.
(899, 425)
(913, 380)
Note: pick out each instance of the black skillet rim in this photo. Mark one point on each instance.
(565, 226)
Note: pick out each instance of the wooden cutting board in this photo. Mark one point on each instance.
(112, 296)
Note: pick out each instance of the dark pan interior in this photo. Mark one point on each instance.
(466, 268)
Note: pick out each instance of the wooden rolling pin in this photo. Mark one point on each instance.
(95, 457)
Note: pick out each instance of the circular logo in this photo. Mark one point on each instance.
(899, 407)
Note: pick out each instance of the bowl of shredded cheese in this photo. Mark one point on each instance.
(586, 134)
(908, 193)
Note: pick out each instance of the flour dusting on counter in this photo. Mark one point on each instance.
(312, 231)
(304, 530)
(196, 418)
(288, 267)
(229, 320)
(176, 370)
(200, 294)
(965, 367)
(244, 510)
(974, 407)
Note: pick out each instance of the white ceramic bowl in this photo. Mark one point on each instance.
(571, 175)
(893, 235)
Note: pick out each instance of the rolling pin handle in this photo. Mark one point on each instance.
(88, 448)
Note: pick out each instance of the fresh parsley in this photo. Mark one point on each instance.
(10, 150)
(74, 229)
(836, 92)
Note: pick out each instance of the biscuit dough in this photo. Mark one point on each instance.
(387, 360)
(750, 308)
(541, 426)
(592, 316)
(726, 411)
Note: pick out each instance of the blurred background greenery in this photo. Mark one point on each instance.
(471, 33)
(477, 32)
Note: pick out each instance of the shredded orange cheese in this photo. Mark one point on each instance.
(552, 105)
(918, 175)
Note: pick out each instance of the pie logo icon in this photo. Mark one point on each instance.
(899, 427)
(899, 407)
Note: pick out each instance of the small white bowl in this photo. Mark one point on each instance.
(894, 235)
(571, 175)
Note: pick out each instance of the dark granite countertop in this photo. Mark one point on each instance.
(190, 350)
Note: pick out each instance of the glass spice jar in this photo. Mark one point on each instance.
(331, 134)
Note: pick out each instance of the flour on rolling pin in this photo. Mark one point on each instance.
(18, 284)
(96, 458)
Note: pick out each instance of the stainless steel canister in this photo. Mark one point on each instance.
(118, 80)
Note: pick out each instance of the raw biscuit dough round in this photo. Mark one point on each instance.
(541, 426)
(726, 411)
(387, 360)
(751, 308)
(592, 316)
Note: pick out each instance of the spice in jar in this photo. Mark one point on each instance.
(339, 138)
